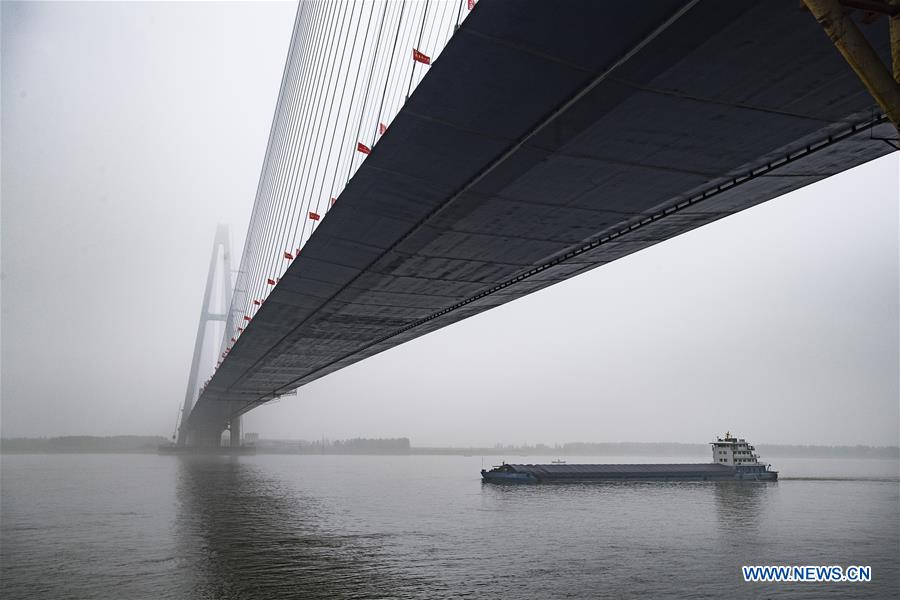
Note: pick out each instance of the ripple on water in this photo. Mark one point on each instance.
(388, 527)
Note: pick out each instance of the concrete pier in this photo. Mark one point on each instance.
(235, 430)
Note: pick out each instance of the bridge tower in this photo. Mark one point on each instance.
(220, 257)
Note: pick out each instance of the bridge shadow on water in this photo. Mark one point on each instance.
(242, 534)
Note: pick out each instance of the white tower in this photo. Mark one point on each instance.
(221, 256)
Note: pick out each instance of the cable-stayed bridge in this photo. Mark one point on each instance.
(427, 162)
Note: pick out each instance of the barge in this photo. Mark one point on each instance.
(733, 459)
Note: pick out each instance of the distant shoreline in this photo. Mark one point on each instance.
(148, 445)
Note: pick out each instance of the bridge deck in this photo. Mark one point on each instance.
(544, 143)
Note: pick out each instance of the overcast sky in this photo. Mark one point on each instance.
(130, 130)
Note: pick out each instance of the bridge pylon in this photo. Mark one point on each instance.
(220, 258)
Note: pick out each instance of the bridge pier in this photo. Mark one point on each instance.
(208, 436)
(234, 429)
(221, 245)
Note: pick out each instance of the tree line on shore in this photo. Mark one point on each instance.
(402, 445)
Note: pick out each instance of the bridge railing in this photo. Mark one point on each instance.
(350, 68)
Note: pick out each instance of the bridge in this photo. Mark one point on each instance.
(428, 161)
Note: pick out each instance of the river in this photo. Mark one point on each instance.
(298, 526)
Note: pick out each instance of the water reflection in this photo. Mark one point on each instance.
(243, 535)
(740, 505)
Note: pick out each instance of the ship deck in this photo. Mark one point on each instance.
(625, 471)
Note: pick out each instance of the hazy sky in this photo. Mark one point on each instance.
(130, 130)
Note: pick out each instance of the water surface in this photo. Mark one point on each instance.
(268, 526)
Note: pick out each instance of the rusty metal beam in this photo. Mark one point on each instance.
(854, 47)
(880, 7)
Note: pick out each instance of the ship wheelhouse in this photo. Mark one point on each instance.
(736, 452)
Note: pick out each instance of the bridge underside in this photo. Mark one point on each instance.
(546, 142)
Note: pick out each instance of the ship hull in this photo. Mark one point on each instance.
(584, 473)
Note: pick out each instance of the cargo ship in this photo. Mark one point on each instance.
(733, 459)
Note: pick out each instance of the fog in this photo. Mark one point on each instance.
(130, 130)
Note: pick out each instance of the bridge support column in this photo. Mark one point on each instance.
(207, 316)
(235, 430)
(209, 436)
